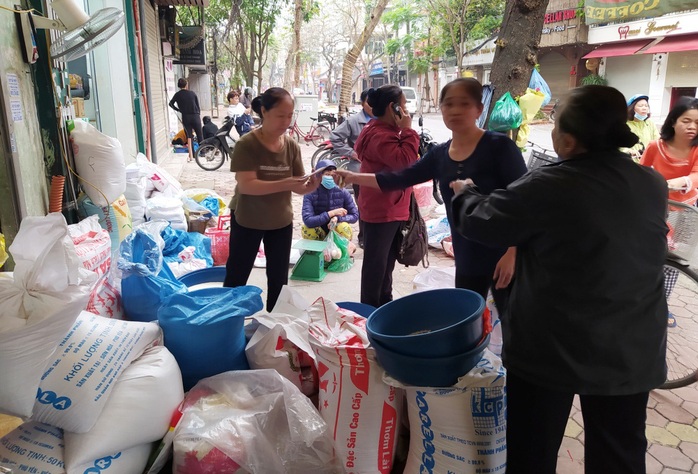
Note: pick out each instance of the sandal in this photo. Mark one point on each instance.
(671, 321)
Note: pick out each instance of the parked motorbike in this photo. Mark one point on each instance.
(426, 143)
(213, 151)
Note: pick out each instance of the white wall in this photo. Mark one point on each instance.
(629, 74)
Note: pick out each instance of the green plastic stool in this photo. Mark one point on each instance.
(311, 264)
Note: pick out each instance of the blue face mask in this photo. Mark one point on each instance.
(640, 117)
(328, 182)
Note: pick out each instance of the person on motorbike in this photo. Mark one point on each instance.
(343, 138)
(210, 128)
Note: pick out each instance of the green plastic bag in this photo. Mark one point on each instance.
(506, 114)
(343, 263)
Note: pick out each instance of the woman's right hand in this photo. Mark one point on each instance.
(347, 176)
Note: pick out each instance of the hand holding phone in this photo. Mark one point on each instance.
(397, 111)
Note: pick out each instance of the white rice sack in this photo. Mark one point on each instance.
(99, 160)
(39, 303)
(92, 244)
(81, 375)
(460, 428)
(166, 209)
(135, 196)
(158, 179)
(38, 448)
(138, 412)
(362, 411)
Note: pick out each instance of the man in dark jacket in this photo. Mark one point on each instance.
(328, 205)
(210, 129)
(587, 313)
(343, 138)
(187, 103)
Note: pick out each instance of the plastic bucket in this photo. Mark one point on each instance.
(434, 323)
(205, 275)
(428, 372)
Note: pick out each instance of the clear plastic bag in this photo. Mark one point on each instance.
(252, 421)
(341, 245)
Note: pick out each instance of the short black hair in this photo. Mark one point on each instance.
(364, 95)
(379, 99)
(682, 105)
(471, 86)
(269, 99)
(182, 83)
(597, 117)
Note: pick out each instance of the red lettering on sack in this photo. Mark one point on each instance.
(387, 438)
(360, 369)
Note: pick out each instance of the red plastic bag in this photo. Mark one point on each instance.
(220, 240)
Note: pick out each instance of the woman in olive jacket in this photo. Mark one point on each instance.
(587, 313)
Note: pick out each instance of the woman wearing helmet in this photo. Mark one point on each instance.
(641, 125)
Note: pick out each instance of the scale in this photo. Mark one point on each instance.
(311, 264)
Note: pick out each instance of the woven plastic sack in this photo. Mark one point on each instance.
(506, 114)
(220, 240)
(538, 83)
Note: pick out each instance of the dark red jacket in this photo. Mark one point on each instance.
(383, 147)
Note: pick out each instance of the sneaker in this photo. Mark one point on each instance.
(671, 321)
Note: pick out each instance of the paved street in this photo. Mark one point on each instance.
(672, 415)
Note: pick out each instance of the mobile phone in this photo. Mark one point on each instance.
(396, 109)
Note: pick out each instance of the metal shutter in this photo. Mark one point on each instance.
(158, 99)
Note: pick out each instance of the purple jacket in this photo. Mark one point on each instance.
(319, 202)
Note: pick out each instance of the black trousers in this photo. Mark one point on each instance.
(355, 167)
(192, 123)
(380, 251)
(481, 284)
(244, 245)
(614, 430)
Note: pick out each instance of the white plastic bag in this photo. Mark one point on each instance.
(158, 179)
(458, 428)
(82, 373)
(39, 303)
(99, 160)
(138, 412)
(361, 410)
(433, 278)
(281, 343)
(252, 421)
(37, 447)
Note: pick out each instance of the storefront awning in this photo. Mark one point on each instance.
(625, 48)
(672, 44)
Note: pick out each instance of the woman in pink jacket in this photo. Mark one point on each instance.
(387, 143)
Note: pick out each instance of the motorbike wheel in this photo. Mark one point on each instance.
(210, 157)
(320, 151)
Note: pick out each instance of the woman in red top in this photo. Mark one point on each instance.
(387, 143)
(675, 154)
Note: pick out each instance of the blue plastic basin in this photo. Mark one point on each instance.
(205, 275)
(428, 372)
(361, 309)
(435, 323)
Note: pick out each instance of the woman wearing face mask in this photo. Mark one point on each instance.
(641, 125)
(328, 204)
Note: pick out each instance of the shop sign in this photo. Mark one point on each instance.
(557, 29)
(606, 11)
(654, 28)
(377, 68)
(482, 55)
(190, 45)
(561, 15)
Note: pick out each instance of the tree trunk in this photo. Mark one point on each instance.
(297, 23)
(353, 55)
(517, 47)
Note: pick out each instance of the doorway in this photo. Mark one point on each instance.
(678, 92)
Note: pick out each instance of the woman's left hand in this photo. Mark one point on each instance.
(504, 271)
(459, 184)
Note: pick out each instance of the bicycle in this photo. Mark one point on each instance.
(540, 157)
(327, 117)
(317, 134)
(681, 290)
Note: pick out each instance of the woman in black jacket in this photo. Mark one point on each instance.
(587, 313)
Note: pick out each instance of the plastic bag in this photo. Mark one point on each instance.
(341, 247)
(506, 114)
(146, 282)
(204, 329)
(434, 278)
(3, 253)
(178, 240)
(538, 83)
(252, 421)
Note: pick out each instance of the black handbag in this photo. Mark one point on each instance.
(414, 241)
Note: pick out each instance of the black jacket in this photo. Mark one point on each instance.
(587, 312)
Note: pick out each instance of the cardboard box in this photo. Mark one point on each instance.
(79, 106)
